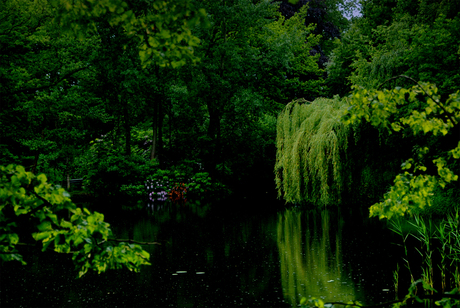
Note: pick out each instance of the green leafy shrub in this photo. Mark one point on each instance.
(163, 184)
(443, 201)
(33, 210)
(118, 175)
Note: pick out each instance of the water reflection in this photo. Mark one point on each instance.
(220, 256)
(209, 257)
(309, 247)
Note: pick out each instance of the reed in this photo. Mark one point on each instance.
(438, 244)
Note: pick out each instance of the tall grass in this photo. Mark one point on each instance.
(437, 242)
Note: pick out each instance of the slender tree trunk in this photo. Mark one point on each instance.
(214, 137)
(155, 130)
(157, 123)
(157, 126)
(170, 125)
(37, 155)
(160, 127)
(127, 128)
(67, 172)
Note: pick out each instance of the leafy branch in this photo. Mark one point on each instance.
(129, 241)
(382, 109)
(436, 101)
(77, 236)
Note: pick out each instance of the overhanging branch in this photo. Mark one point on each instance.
(130, 241)
(416, 82)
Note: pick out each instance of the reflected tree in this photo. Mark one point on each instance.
(312, 267)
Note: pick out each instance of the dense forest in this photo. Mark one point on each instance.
(204, 93)
(328, 103)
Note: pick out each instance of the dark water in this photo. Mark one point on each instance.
(223, 255)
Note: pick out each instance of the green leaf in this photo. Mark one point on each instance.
(13, 238)
(66, 224)
(39, 236)
(44, 226)
(53, 218)
(42, 178)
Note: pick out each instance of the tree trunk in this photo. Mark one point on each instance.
(157, 126)
(160, 127)
(157, 122)
(213, 153)
(67, 173)
(155, 130)
(127, 128)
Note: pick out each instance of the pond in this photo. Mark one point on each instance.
(224, 255)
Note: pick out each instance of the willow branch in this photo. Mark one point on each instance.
(38, 208)
(130, 241)
(10, 252)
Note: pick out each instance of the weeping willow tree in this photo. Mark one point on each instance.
(311, 151)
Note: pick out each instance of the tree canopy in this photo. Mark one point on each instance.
(396, 67)
(123, 92)
(162, 29)
(429, 115)
(414, 38)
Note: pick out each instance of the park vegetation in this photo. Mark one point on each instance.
(147, 100)
(396, 108)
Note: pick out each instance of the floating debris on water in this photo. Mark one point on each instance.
(181, 272)
(199, 273)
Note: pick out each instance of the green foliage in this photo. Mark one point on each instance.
(32, 210)
(109, 172)
(199, 183)
(426, 52)
(395, 39)
(62, 93)
(162, 29)
(398, 37)
(444, 201)
(309, 254)
(316, 302)
(433, 238)
(294, 36)
(161, 184)
(109, 175)
(46, 114)
(428, 114)
(311, 144)
(251, 64)
(347, 50)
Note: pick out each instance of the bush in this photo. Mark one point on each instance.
(117, 175)
(180, 184)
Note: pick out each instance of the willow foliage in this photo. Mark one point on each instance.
(311, 144)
